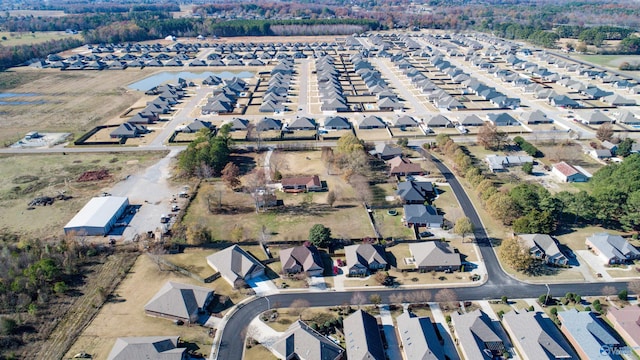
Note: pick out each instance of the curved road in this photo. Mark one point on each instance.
(498, 284)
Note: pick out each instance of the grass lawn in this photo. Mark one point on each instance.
(391, 226)
(438, 278)
(612, 61)
(25, 38)
(194, 260)
(400, 252)
(25, 177)
(124, 316)
(553, 275)
(576, 237)
(500, 306)
(447, 204)
(258, 352)
(287, 316)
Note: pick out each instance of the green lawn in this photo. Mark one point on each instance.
(391, 225)
(612, 61)
(23, 38)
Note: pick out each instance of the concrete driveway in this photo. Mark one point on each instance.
(596, 264)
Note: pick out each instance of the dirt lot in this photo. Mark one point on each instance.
(72, 101)
(25, 177)
(124, 315)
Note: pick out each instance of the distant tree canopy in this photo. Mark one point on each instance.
(206, 156)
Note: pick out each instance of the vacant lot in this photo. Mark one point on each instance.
(124, 315)
(23, 38)
(25, 177)
(70, 101)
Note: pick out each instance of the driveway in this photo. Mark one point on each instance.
(495, 321)
(262, 286)
(595, 263)
(393, 348)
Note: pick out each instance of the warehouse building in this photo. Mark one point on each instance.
(98, 216)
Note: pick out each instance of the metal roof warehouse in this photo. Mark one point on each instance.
(98, 216)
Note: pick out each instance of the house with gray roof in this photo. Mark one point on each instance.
(418, 337)
(128, 130)
(238, 124)
(617, 100)
(198, 125)
(148, 347)
(612, 249)
(435, 256)
(299, 259)
(471, 120)
(362, 337)
(337, 123)
(595, 117)
(364, 258)
(371, 122)
(562, 101)
(421, 216)
(302, 123)
(535, 117)
(502, 119)
(627, 117)
(544, 247)
(235, 265)
(501, 163)
(268, 124)
(386, 151)
(301, 342)
(476, 335)
(439, 121)
(536, 337)
(415, 192)
(587, 334)
(404, 121)
(178, 301)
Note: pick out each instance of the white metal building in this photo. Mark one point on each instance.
(98, 216)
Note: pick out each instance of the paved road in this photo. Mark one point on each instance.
(497, 285)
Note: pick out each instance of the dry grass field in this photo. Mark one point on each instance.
(72, 101)
(25, 177)
(124, 315)
(23, 38)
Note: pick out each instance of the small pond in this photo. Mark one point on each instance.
(166, 76)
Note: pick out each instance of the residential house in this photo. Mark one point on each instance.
(235, 265)
(568, 173)
(415, 192)
(268, 124)
(418, 338)
(536, 337)
(595, 117)
(471, 120)
(362, 337)
(612, 249)
(617, 100)
(610, 146)
(502, 119)
(435, 256)
(177, 301)
(364, 258)
(148, 347)
(399, 166)
(128, 130)
(626, 322)
(301, 342)
(535, 117)
(197, 125)
(563, 101)
(300, 259)
(422, 215)
(371, 122)
(404, 121)
(587, 334)
(302, 123)
(337, 123)
(140, 118)
(386, 152)
(501, 163)
(627, 117)
(238, 124)
(476, 336)
(600, 154)
(302, 184)
(544, 247)
(439, 121)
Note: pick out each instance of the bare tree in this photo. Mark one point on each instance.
(447, 297)
(358, 299)
(423, 296)
(155, 252)
(230, 175)
(331, 198)
(298, 307)
(375, 299)
(361, 185)
(605, 132)
(396, 298)
(490, 137)
(277, 164)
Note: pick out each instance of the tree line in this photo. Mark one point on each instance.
(14, 55)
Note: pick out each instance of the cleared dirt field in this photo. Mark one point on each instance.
(71, 101)
(25, 177)
(124, 315)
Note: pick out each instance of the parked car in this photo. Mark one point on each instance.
(425, 234)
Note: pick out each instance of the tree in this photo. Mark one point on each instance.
(463, 226)
(230, 175)
(375, 299)
(362, 188)
(403, 141)
(349, 143)
(624, 147)
(331, 198)
(501, 206)
(623, 295)
(605, 132)
(8, 325)
(527, 168)
(516, 254)
(358, 299)
(320, 236)
(382, 278)
(60, 287)
(490, 137)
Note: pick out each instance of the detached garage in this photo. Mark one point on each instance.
(98, 216)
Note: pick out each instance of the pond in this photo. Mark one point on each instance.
(19, 95)
(166, 76)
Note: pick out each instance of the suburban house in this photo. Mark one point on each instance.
(337, 123)
(610, 146)
(197, 125)
(128, 130)
(300, 259)
(148, 347)
(536, 337)
(362, 337)
(364, 258)
(235, 265)
(535, 117)
(399, 166)
(544, 247)
(626, 322)
(301, 184)
(435, 256)
(371, 122)
(476, 336)
(404, 121)
(502, 119)
(595, 117)
(568, 173)
(587, 334)
(439, 121)
(418, 338)
(415, 192)
(600, 154)
(612, 249)
(301, 342)
(302, 123)
(238, 124)
(268, 124)
(500, 163)
(177, 301)
(471, 120)
(386, 152)
(422, 215)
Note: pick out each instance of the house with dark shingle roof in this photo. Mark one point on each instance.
(371, 122)
(300, 259)
(386, 151)
(612, 249)
(404, 121)
(302, 123)
(363, 258)
(502, 119)
(301, 342)
(177, 301)
(415, 192)
(128, 130)
(476, 335)
(399, 166)
(536, 337)
(148, 347)
(235, 265)
(362, 337)
(422, 216)
(544, 247)
(418, 337)
(337, 123)
(238, 124)
(197, 125)
(435, 256)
